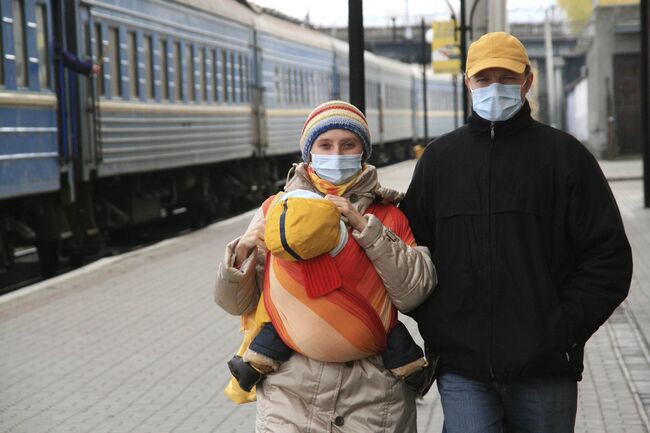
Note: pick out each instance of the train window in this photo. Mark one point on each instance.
(210, 74)
(276, 78)
(20, 43)
(233, 74)
(299, 86)
(296, 84)
(132, 53)
(298, 77)
(178, 87)
(248, 78)
(164, 64)
(310, 94)
(314, 88)
(189, 67)
(243, 70)
(245, 84)
(42, 47)
(240, 77)
(320, 82)
(289, 87)
(114, 48)
(286, 93)
(2, 56)
(99, 52)
(224, 75)
(216, 74)
(147, 52)
(202, 86)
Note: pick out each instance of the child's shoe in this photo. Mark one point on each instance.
(247, 377)
(251, 369)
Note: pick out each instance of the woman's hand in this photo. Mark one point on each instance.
(253, 238)
(357, 221)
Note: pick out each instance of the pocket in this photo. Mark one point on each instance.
(460, 207)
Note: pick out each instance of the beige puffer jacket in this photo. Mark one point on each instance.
(308, 396)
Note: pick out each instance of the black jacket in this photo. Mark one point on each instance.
(529, 247)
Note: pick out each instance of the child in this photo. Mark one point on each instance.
(305, 232)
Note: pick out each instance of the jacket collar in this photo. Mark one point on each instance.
(477, 125)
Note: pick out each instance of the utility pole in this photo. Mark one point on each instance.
(356, 59)
(645, 100)
(550, 69)
(425, 51)
(463, 57)
(497, 20)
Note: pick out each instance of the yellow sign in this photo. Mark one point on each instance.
(445, 52)
(616, 2)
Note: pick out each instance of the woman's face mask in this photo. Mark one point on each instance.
(497, 102)
(336, 168)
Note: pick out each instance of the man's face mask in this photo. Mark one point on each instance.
(336, 168)
(497, 102)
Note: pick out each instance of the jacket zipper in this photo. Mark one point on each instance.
(489, 246)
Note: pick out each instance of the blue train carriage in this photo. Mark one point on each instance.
(296, 68)
(374, 107)
(444, 103)
(397, 116)
(30, 160)
(341, 70)
(385, 133)
(172, 124)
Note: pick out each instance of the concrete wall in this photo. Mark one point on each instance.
(577, 112)
(610, 32)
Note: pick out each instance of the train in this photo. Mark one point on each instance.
(197, 109)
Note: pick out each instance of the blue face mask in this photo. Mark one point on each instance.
(497, 101)
(336, 168)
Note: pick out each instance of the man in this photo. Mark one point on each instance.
(530, 251)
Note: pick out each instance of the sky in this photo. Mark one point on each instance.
(379, 12)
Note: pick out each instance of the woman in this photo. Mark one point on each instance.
(308, 394)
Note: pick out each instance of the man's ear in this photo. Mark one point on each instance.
(529, 82)
(467, 83)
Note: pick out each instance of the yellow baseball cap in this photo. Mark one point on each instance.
(301, 225)
(496, 50)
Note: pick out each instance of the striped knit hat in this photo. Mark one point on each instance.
(335, 115)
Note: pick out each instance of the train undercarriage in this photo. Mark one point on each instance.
(76, 226)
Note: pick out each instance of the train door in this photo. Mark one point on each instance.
(380, 106)
(260, 137)
(76, 143)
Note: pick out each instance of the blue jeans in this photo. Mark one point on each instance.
(543, 405)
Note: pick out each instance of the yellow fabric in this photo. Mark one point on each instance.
(250, 326)
(496, 50)
(327, 187)
(311, 227)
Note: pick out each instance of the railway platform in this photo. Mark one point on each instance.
(135, 343)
